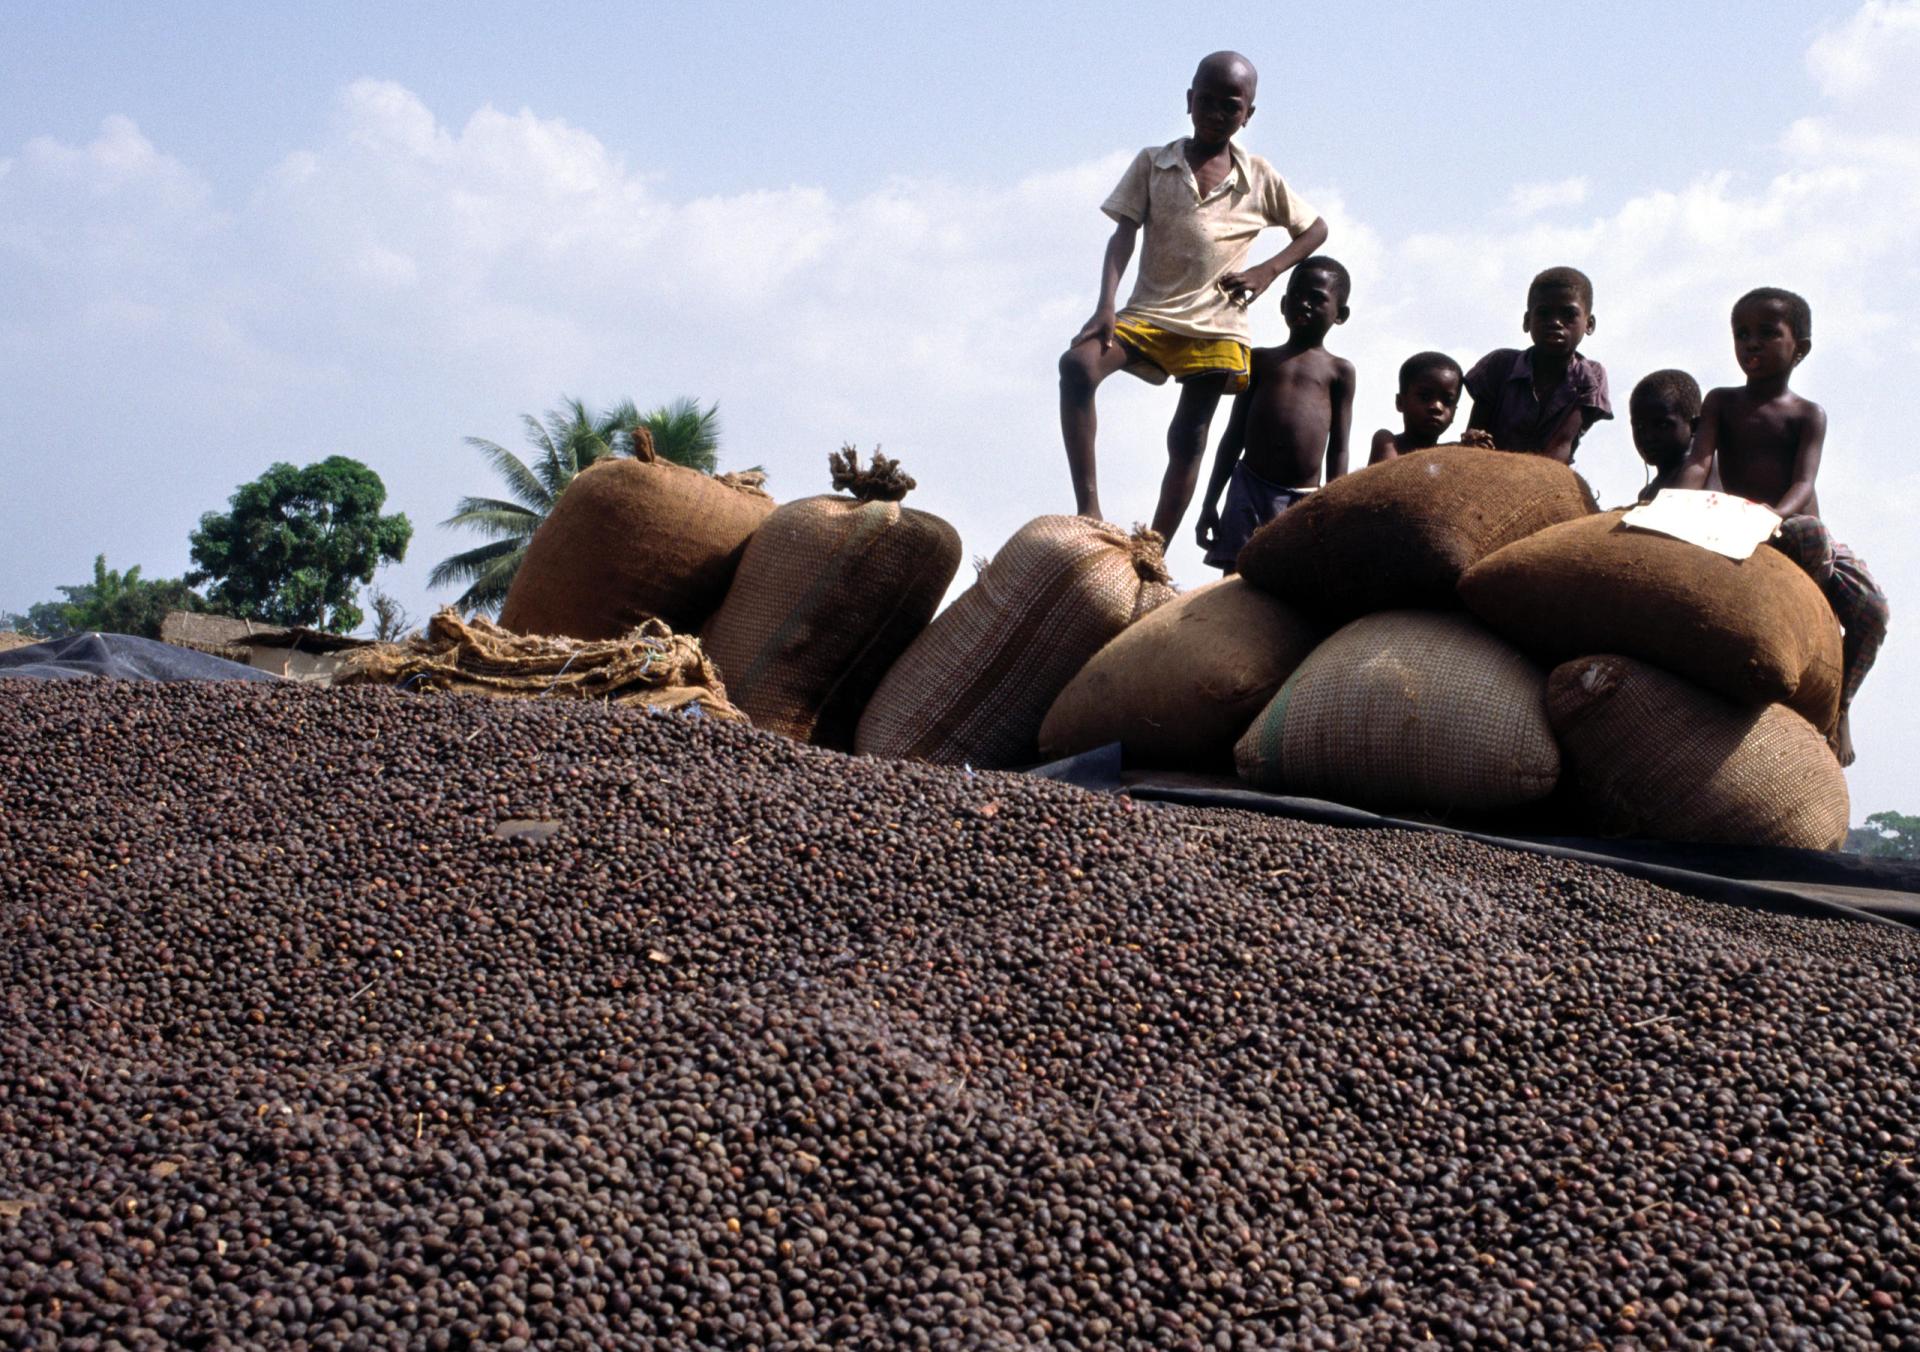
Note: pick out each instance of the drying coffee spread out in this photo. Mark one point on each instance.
(309, 1039)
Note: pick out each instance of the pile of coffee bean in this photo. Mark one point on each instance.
(339, 1019)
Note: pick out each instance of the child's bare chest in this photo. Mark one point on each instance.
(1294, 374)
(1761, 430)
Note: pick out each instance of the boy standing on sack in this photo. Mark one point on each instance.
(1200, 201)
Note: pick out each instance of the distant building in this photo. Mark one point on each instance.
(295, 652)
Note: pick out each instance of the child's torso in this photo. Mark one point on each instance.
(1757, 444)
(1291, 415)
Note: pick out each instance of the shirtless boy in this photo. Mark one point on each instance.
(1429, 396)
(1201, 201)
(1293, 416)
(1663, 410)
(1766, 442)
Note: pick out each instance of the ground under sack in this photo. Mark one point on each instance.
(1397, 535)
(633, 539)
(649, 666)
(977, 683)
(831, 591)
(1649, 754)
(1178, 688)
(1756, 630)
(1410, 709)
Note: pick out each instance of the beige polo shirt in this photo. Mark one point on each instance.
(1189, 242)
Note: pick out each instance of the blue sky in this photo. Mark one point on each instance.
(235, 233)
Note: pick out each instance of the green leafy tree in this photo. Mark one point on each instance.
(113, 603)
(565, 442)
(296, 544)
(1887, 835)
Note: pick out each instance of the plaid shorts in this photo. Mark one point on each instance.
(1857, 601)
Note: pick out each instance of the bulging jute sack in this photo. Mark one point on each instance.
(976, 684)
(1649, 754)
(829, 594)
(1408, 708)
(1397, 535)
(1179, 687)
(633, 539)
(1756, 630)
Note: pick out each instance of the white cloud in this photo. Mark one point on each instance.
(1871, 55)
(1530, 199)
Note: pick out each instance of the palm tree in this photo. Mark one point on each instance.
(685, 433)
(566, 442)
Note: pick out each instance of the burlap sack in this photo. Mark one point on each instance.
(632, 539)
(1407, 709)
(1178, 688)
(976, 684)
(650, 666)
(1757, 630)
(1649, 754)
(1397, 535)
(829, 594)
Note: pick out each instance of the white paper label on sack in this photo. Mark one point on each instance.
(1722, 522)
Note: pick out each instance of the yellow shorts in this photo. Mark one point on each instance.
(1159, 353)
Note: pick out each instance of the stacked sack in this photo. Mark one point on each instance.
(831, 591)
(976, 685)
(1409, 703)
(1177, 689)
(1694, 692)
(634, 539)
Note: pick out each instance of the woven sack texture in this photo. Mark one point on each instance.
(633, 539)
(1756, 630)
(1408, 708)
(1397, 535)
(831, 591)
(1649, 754)
(649, 666)
(977, 683)
(1178, 688)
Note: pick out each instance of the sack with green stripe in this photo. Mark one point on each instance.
(831, 591)
(1408, 709)
(977, 683)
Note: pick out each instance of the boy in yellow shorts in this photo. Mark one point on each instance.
(1201, 201)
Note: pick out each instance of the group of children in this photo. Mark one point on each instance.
(1195, 207)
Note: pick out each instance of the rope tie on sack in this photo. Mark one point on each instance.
(745, 480)
(1147, 548)
(882, 481)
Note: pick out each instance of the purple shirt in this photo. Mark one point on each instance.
(1501, 384)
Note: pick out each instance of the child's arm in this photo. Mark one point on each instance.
(1383, 447)
(1112, 267)
(1342, 424)
(1698, 465)
(1232, 442)
(1476, 383)
(1560, 441)
(1806, 463)
(1259, 277)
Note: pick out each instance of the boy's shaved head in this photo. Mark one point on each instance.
(1675, 389)
(1332, 269)
(1420, 363)
(1799, 313)
(1230, 68)
(1563, 279)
